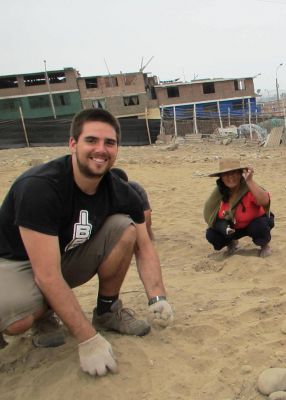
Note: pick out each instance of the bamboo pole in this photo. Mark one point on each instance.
(147, 125)
(219, 116)
(24, 127)
(175, 121)
(195, 119)
(249, 119)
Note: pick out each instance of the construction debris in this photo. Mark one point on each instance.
(275, 137)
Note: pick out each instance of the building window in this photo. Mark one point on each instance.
(173, 91)
(131, 100)
(61, 99)
(208, 87)
(39, 102)
(239, 84)
(10, 82)
(153, 93)
(110, 81)
(34, 80)
(99, 103)
(56, 77)
(91, 83)
(9, 105)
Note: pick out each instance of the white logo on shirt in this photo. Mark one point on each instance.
(81, 231)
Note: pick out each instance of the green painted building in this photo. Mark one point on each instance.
(40, 94)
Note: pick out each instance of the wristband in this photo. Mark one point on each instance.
(155, 299)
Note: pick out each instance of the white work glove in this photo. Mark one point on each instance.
(160, 314)
(96, 356)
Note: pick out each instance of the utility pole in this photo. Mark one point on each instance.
(50, 93)
(277, 85)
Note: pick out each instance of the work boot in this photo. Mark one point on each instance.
(121, 320)
(3, 342)
(47, 331)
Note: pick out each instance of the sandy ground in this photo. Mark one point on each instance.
(228, 311)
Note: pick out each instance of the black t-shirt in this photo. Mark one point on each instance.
(46, 199)
(142, 193)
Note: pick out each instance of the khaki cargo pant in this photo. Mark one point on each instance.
(19, 294)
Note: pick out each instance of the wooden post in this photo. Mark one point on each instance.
(219, 116)
(256, 116)
(195, 119)
(24, 127)
(249, 119)
(50, 92)
(228, 114)
(147, 125)
(161, 120)
(175, 121)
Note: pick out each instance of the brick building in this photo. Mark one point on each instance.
(31, 93)
(209, 96)
(124, 95)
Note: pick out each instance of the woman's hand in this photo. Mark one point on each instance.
(248, 173)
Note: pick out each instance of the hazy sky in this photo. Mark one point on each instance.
(203, 38)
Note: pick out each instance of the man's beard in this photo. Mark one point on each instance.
(87, 172)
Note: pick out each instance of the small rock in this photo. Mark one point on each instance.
(272, 380)
(246, 369)
(278, 396)
(173, 147)
(283, 327)
(227, 141)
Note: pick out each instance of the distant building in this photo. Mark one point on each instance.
(274, 108)
(31, 93)
(124, 95)
(139, 100)
(207, 97)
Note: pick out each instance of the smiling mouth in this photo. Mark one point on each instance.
(98, 160)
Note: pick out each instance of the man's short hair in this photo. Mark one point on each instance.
(93, 114)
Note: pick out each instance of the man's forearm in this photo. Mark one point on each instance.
(63, 301)
(150, 273)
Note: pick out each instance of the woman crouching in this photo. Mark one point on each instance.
(238, 207)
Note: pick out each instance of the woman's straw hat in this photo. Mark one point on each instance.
(228, 164)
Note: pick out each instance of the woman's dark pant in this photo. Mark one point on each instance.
(258, 229)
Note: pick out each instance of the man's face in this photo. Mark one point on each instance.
(96, 148)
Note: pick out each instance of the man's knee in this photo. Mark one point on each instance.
(121, 229)
(23, 324)
(20, 326)
(129, 236)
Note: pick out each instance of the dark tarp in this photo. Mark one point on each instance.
(51, 132)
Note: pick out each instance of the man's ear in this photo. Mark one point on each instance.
(72, 145)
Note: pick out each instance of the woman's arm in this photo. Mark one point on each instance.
(261, 196)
